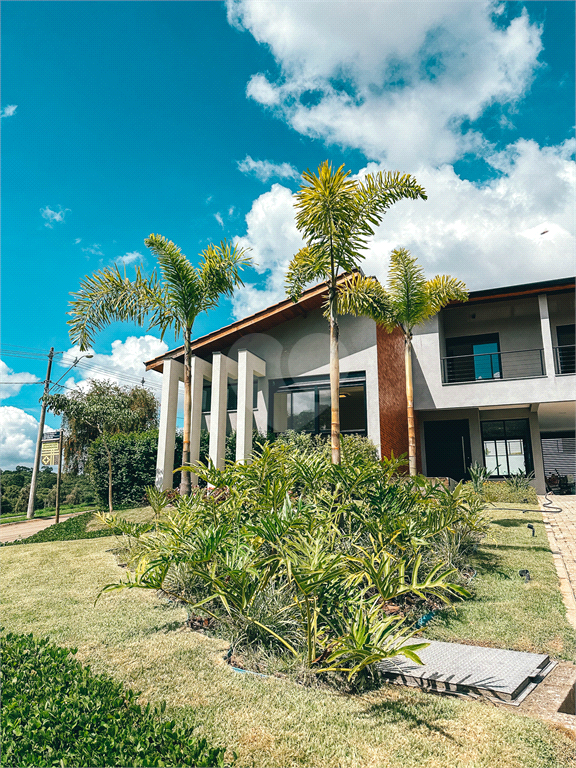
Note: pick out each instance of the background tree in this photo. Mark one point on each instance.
(105, 409)
(336, 216)
(174, 301)
(412, 300)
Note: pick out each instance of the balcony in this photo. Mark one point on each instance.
(564, 361)
(490, 366)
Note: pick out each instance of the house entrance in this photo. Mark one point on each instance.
(447, 445)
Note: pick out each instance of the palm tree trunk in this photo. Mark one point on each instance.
(185, 476)
(410, 405)
(334, 379)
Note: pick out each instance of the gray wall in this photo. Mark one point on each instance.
(300, 347)
(519, 326)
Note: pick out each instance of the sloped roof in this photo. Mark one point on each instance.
(313, 298)
(260, 322)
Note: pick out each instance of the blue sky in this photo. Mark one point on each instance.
(195, 119)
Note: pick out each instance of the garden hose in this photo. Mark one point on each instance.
(549, 505)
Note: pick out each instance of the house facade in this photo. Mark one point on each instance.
(493, 382)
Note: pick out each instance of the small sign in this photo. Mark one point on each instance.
(50, 451)
(54, 435)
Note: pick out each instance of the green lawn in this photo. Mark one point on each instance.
(506, 611)
(43, 514)
(49, 588)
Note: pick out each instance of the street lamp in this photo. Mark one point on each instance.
(30, 512)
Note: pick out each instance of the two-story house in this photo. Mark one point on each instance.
(493, 382)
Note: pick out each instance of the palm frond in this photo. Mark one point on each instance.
(442, 289)
(220, 270)
(407, 290)
(363, 297)
(182, 283)
(309, 264)
(105, 297)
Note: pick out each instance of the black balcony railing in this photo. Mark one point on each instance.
(564, 359)
(520, 364)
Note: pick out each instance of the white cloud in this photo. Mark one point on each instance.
(488, 235)
(11, 383)
(397, 85)
(78, 240)
(274, 239)
(94, 249)
(264, 169)
(124, 365)
(231, 211)
(18, 434)
(53, 216)
(219, 219)
(9, 110)
(129, 258)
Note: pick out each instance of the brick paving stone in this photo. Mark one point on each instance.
(561, 530)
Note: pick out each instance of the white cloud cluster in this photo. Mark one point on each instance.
(273, 239)
(394, 83)
(53, 216)
(9, 110)
(94, 249)
(11, 383)
(488, 235)
(124, 366)
(18, 433)
(265, 170)
(129, 258)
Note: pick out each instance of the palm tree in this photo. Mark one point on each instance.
(174, 301)
(412, 300)
(336, 216)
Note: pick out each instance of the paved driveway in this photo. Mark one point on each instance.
(561, 530)
(13, 531)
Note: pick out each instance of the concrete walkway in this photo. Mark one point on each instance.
(561, 530)
(13, 531)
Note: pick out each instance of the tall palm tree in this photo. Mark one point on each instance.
(336, 216)
(412, 300)
(173, 301)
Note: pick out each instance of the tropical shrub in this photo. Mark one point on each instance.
(299, 556)
(503, 492)
(57, 712)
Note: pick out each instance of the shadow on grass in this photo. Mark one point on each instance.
(398, 711)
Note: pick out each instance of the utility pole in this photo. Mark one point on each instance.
(30, 513)
(59, 477)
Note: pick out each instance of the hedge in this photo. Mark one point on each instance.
(55, 712)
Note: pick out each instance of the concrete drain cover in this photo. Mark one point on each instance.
(506, 676)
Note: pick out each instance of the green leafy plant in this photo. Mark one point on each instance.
(57, 712)
(519, 481)
(479, 474)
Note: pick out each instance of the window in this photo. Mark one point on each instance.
(206, 396)
(231, 397)
(255, 394)
(471, 358)
(565, 350)
(507, 447)
(304, 404)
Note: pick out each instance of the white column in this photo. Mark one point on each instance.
(172, 374)
(546, 335)
(200, 370)
(222, 367)
(249, 365)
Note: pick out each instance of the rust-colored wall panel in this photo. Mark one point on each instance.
(392, 392)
